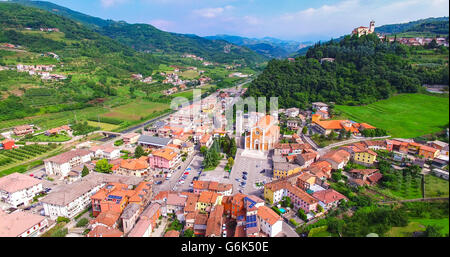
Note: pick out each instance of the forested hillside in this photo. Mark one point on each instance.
(432, 25)
(147, 38)
(93, 64)
(364, 70)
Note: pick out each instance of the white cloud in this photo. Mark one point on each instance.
(110, 3)
(212, 12)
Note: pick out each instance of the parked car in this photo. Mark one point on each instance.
(244, 177)
(263, 171)
(245, 172)
(186, 173)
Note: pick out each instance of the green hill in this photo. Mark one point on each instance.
(95, 65)
(430, 26)
(364, 70)
(147, 38)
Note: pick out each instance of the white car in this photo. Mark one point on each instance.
(181, 182)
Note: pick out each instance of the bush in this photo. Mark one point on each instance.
(62, 232)
(81, 223)
(62, 219)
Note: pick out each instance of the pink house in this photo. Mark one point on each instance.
(165, 158)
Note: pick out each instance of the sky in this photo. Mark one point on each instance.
(285, 19)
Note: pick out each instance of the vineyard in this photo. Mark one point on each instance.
(23, 153)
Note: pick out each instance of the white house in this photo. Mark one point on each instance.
(269, 221)
(69, 200)
(22, 224)
(17, 189)
(105, 152)
(61, 164)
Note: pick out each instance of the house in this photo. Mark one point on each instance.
(305, 181)
(284, 169)
(293, 123)
(172, 233)
(319, 106)
(175, 202)
(306, 159)
(282, 149)
(147, 221)
(7, 144)
(337, 158)
(103, 231)
(130, 138)
(206, 140)
(428, 152)
(441, 146)
(23, 130)
(301, 199)
(219, 188)
(329, 198)
(57, 130)
(321, 169)
(365, 157)
(68, 200)
(200, 224)
(22, 224)
(292, 112)
(134, 167)
(129, 216)
(207, 200)
(326, 60)
(18, 189)
(263, 135)
(270, 222)
(215, 222)
(105, 152)
(361, 177)
(164, 158)
(62, 164)
(237, 205)
(153, 142)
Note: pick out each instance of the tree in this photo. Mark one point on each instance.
(286, 202)
(189, 233)
(304, 130)
(433, 231)
(302, 215)
(230, 161)
(139, 151)
(85, 171)
(203, 150)
(103, 166)
(320, 208)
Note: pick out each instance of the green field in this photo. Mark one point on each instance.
(189, 74)
(44, 138)
(404, 115)
(136, 110)
(103, 126)
(408, 188)
(436, 187)
(418, 225)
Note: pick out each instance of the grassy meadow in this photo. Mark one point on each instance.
(404, 115)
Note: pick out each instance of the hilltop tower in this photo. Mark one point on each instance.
(372, 27)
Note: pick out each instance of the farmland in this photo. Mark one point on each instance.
(9, 159)
(404, 115)
(436, 187)
(418, 225)
(137, 110)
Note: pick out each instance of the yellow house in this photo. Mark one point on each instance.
(208, 199)
(274, 191)
(365, 157)
(284, 169)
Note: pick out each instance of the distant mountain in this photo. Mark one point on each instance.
(147, 38)
(438, 26)
(267, 46)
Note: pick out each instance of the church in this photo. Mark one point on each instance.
(263, 135)
(364, 30)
